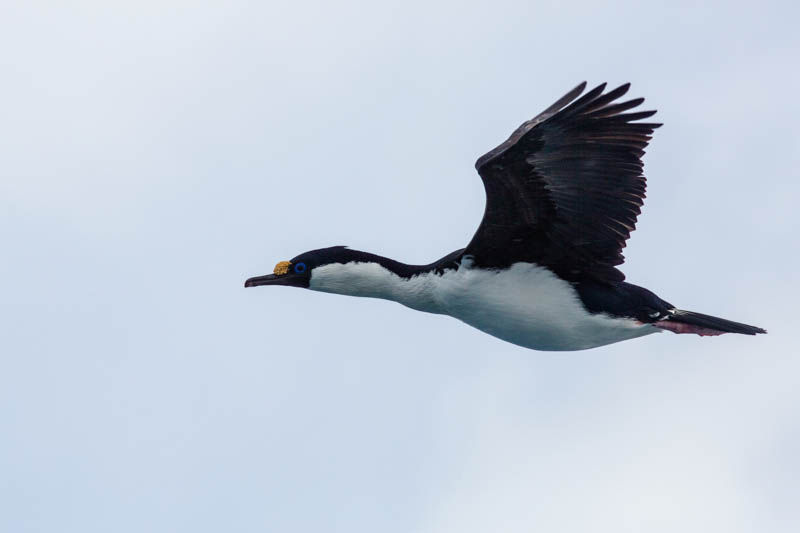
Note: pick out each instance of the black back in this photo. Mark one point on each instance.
(621, 299)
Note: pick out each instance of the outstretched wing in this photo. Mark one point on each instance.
(564, 191)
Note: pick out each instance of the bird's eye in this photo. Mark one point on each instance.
(299, 268)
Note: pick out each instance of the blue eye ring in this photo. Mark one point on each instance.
(299, 268)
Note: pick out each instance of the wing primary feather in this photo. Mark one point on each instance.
(564, 100)
(614, 109)
(630, 117)
(578, 105)
(607, 98)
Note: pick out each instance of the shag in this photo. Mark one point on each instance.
(563, 194)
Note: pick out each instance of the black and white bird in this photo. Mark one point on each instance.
(562, 196)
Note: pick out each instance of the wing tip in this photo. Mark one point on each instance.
(566, 99)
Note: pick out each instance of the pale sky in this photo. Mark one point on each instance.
(156, 154)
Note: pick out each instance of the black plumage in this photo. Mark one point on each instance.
(565, 190)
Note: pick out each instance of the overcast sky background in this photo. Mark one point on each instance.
(156, 154)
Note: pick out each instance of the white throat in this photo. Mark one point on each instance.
(373, 280)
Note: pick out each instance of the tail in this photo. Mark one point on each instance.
(679, 321)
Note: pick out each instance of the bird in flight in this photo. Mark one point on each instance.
(562, 196)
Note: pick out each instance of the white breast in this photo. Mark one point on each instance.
(529, 306)
(526, 304)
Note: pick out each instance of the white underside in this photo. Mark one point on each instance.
(526, 304)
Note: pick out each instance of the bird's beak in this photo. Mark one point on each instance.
(269, 279)
(282, 275)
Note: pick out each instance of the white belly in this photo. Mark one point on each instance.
(529, 306)
(526, 304)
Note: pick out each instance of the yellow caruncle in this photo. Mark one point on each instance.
(282, 268)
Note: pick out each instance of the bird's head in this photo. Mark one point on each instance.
(297, 272)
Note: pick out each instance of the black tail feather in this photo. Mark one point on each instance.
(712, 322)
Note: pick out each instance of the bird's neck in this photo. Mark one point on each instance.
(407, 284)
